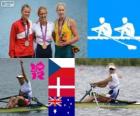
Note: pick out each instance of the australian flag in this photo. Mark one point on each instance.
(61, 87)
(64, 108)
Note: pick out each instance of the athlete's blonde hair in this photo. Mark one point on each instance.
(60, 4)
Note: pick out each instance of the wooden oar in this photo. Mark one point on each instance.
(8, 97)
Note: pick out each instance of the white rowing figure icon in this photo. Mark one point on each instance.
(127, 29)
(105, 31)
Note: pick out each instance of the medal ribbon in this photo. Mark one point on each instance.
(44, 34)
(60, 29)
(26, 26)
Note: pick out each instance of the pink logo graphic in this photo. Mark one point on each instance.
(37, 70)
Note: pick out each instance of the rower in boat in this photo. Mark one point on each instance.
(25, 92)
(112, 82)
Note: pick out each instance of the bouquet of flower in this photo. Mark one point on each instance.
(75, 49)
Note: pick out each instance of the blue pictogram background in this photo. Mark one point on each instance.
(113, 11)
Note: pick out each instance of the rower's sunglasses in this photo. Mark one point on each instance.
(111, 69)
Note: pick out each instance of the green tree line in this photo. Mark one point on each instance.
(105, 61)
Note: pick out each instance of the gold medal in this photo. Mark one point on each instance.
(27, 43)
(44, 46)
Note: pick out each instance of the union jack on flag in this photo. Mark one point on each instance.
(55, 101)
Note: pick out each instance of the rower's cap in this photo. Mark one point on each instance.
(111, 66)
(20, 76)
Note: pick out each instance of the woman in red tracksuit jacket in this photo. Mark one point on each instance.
(21, 36)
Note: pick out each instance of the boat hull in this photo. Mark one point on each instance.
(108, 106)
(22, 109)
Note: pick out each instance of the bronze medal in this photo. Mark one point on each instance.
(27, 43)
(44, 46)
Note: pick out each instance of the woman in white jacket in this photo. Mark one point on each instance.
(43, 34)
